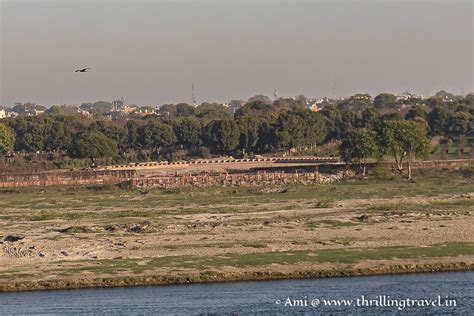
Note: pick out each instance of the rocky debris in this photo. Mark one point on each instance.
(362, 218)
(112, 228)
(75, 229)
(14, 251)
(273, 190)
(142, 227)
(139, 228)
(12, 238)
(41, 254)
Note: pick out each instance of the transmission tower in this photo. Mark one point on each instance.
(193, 95)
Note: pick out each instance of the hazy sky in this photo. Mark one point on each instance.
(151, 51)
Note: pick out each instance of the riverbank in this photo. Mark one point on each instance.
(217, 278)
(101, 236)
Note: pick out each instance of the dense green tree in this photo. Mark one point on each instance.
(93, 144)
(434, 101)
(348, 121)
(212, 111)
(300, 102)
(180, 110)
(260, 98)
(459, 124)
(289, 131)
(416, 111)
(385, 100)
(155, 135)
(356, 102)
(188, 132)
(98, 109)
(256, 108)
(368, 119)
(184, 110)
(117, 134)
(57, 137)
(7, 140)
(442, 94)
(404, 140)
(333, 118)
(314, 126)
(249, 132)
(469, 100)
(437, 120)
(132, 134)
(265, 140)
(357, 146)
(62, 110)
(30, 134)
(393, 116)
(223, 135)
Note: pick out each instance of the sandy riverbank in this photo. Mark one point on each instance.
(78, 237)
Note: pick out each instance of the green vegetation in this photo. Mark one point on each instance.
(81, 202)
(454, 149)
(346, 256)
(404, 140)
(359, 145)
(258, 126)
(104, 231)
(7, 140)
(93, 145)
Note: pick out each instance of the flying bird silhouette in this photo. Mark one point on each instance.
(82, 70)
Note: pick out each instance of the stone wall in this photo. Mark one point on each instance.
(247, 179)
(65, 178)
(436, 164)
(310, 173)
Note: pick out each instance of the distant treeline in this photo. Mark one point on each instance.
(260, 126)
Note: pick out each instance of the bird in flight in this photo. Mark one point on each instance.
(82, 70)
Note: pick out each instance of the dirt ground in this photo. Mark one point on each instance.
(88, 237)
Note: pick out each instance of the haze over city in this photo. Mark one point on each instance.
(151, 52)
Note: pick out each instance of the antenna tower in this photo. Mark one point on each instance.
(193, 95)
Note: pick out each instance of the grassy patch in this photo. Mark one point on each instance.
(348, 256)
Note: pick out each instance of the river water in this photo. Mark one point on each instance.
(370, 295)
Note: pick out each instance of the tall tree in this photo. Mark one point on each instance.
(249, 127)
(155, 135)
(289, 131)
(223, 135)
(188, 132)
(357, 146)
(404, 140)
(459, 123)
(93, 145)
(438, 120)
(385, 100)
(132, 134)
(416, 111)
(57, 137)
(7, 140)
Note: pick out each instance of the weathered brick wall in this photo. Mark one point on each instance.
(65, 178)
(309, 174)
